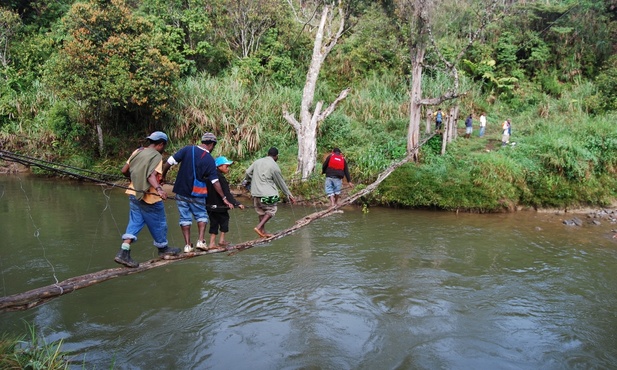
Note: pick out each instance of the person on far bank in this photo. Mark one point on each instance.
(506, 129)
(196, 163)
(468, 126)
(217, 210)
(335, 168)
(146, 195)
(482, 124)
(265, 179)
(438, 119)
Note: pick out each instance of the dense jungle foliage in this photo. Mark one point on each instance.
(83, 82)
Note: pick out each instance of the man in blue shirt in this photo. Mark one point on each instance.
(196, 163)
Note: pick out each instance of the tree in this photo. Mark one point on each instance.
(249, 20)
(110, 60)
(419, 16)
(326, 37)
(9, 25)
(189, 28)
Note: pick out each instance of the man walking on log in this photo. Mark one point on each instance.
(196, 164)
(146, 195)
(335, 168)
(266, 178)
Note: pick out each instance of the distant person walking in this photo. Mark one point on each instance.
(438, 119)
(482, 124)
(468, 126)
(146, 195)
(335, 168)
(217, 210)
(506, 129)
(196, 163)
(265, 179)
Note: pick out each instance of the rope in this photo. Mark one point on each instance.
(17, 158)
(51, 166)
(24, 159)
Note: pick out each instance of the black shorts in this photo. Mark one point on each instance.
(219, 220)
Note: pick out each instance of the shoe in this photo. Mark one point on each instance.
(201, 245)
(124, 258)
(167, 251)
(188, 248)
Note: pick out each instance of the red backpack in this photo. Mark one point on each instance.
(337, 162)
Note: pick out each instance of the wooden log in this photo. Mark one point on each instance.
(39, 296)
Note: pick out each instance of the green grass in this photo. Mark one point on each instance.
(33, 354)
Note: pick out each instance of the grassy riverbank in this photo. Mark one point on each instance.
(567, 165)
(559, 157)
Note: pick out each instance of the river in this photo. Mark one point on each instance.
(383, 289)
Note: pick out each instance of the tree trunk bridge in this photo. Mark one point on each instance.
(39, 296)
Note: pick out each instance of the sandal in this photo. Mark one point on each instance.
(259, 232)
(223, 244)
(216, 248)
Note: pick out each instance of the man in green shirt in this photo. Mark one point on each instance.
(146, 196)
(266, 179)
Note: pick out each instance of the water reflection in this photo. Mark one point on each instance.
(387, 289)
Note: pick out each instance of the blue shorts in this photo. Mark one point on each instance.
(190, 207)
(333, 186)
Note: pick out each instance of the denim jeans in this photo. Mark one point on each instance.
(333, 186)
(190, 207)
(143, 214)
(482, 129)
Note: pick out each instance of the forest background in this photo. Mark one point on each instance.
(83, 82)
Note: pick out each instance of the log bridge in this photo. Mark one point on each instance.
(36, 297)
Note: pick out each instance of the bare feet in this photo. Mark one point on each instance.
(259, 232)
(216, 248)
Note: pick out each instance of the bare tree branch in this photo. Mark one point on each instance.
(291, 119)
(333, 105)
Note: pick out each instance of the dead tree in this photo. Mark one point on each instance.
(422, 39)
(306, 128)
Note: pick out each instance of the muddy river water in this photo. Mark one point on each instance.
(383, 289)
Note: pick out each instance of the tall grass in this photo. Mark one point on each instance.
(35, 354)
(244, 118)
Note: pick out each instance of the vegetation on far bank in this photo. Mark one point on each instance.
(532, 66)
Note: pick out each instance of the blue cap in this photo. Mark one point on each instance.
(157, 135)
(222, 160)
